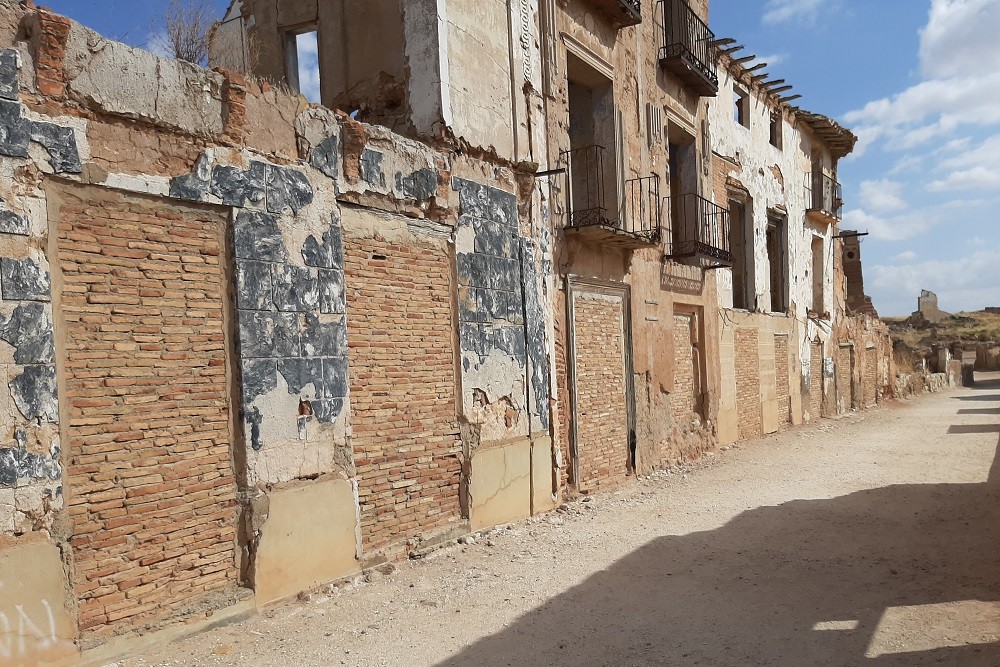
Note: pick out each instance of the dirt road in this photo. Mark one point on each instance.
(868, 540)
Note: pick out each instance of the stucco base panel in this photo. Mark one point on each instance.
(728, 424)
(35, 628)
(770, 416)
(542, 497)
(500, 485)
(309, 538)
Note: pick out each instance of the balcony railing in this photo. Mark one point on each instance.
(824, 197)
(688, 48)
(599, 212)
(640, 212)
(699, 230)
(623, 12)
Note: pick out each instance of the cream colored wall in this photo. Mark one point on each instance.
(35, 626)
(767, 327)
(310, 537)
(481, 79)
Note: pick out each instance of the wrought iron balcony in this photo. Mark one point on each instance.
(688, 48)
(600, 213)
(824, 198)
(623, 12)
(699, 230)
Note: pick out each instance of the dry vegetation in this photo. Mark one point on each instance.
(978, 326)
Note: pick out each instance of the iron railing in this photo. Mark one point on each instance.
(594, 196)
(698, 229)
(632, 7)
(824, 194)
(688, 46)
(640, 210)
(588, 187)
(621, 12)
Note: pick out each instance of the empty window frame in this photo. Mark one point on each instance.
(741, 246)
(775, 129)
(302, 62)
(778, 262)
(819, 275)
(741, 107)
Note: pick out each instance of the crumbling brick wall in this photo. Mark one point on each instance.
(869, 378)
(845, 378)
(406, 435)
(873, 375)
(683, 395)
(816, 380)
(202, 277)
(601, 385)
(748, 400)
(782, 379)
(150, 464)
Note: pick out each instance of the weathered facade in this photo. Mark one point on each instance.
(254, 345)
(789, 348)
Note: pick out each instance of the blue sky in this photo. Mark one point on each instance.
(918, 80)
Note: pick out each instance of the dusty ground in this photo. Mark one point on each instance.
(869, 540)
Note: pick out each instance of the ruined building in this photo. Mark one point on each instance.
(928, 310)
(254, 345)
(857, 300)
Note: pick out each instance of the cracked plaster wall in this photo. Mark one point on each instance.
(499, 377)
(30, 450)
(291, 310)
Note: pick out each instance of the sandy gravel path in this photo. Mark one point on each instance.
(868, 540)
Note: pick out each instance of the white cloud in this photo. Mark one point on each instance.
(960, 87)
(960, 37)
(781, 11)
(906, 225)
(976, 168)
(882, 196)
(977, 178)
(966, 283)
(307, 47)
(905, 257)
(773, 59)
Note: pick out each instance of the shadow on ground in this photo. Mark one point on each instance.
(758, 590)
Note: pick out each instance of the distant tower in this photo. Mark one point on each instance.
(857, 302)
(927, 306)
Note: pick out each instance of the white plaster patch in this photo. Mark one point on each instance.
(151, 185)
(290, 452)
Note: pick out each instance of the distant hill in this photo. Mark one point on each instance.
(980, 326)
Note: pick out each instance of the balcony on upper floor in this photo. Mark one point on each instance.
(623, 12)
(824, 199)
(604, 212)
(699, 232)
(688, 48)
